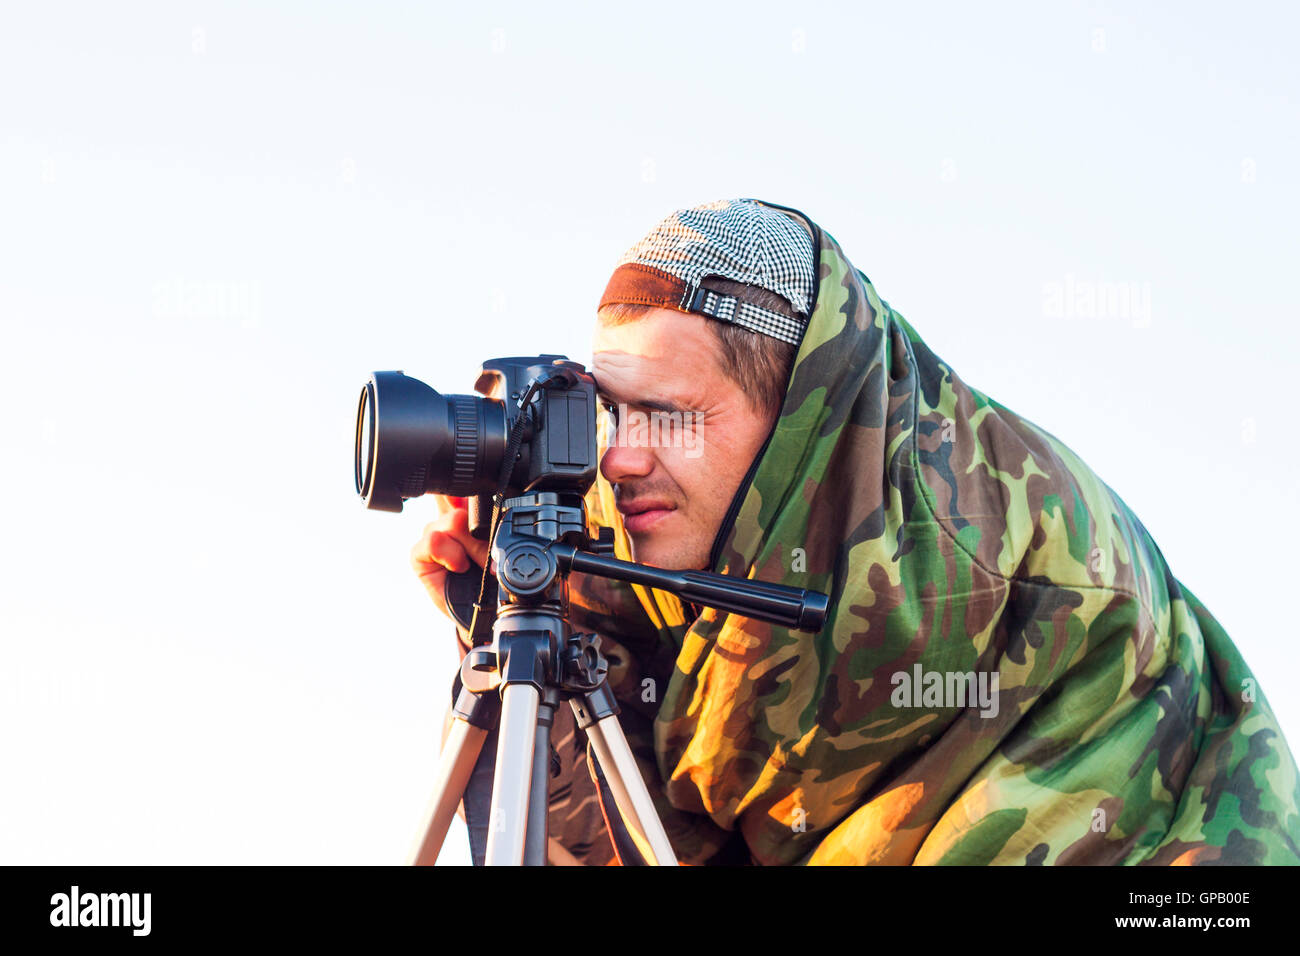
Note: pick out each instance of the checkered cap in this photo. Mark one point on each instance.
(739, 240)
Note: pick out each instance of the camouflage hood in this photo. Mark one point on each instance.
(1010, 673)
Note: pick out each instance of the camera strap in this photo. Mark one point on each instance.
(480, 631)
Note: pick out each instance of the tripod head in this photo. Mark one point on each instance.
(542, 536)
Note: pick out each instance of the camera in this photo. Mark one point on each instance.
(532, 427)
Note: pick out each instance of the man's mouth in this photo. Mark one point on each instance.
(643, 515)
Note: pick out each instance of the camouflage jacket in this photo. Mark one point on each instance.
(1010, 673)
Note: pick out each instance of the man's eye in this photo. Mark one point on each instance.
(610, 409)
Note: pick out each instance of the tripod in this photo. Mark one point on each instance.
(535, 660)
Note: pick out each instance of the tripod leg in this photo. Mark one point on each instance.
(510, 788)
(459, 754)
(539, 799)
(630, 793)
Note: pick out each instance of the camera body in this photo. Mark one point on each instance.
(413, 441)
(558, 452)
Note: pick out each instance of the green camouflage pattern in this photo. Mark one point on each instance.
(957, 537)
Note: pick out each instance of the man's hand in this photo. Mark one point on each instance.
(446, 545)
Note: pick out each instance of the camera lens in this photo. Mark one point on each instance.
(411, 441)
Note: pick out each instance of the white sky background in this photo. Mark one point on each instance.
(216, 220)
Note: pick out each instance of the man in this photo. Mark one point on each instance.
(1009, 672)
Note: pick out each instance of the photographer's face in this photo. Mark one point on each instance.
(686, 434)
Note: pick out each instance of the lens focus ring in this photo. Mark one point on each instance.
(465, 454)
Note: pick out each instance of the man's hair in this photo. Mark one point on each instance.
(758, 363)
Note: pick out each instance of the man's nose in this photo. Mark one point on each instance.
(624, 461)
